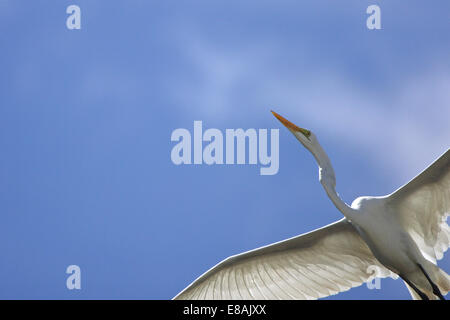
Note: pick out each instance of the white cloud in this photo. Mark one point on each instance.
(402, 128)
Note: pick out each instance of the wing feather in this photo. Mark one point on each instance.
(423, 205)
(310, 266)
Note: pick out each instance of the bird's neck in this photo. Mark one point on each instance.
(328, 180)
(346, 210)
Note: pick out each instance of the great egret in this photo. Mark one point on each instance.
(401, 233)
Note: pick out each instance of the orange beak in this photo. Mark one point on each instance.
(290, 125)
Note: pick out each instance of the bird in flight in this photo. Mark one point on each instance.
(402, 234)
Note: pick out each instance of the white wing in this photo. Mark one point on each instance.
(422, 206)
(310, 266)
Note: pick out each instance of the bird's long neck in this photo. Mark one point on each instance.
(328, 180)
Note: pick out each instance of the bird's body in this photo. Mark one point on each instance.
(383, 236)
(390, 243)
(403, 234)
(387, 240)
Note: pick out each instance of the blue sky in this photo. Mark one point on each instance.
(86, 118)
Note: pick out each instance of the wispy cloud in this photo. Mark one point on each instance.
(403, 130)
(403, 127)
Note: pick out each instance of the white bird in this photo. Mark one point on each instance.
(402, 234)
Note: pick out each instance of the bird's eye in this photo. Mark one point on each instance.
(305, 132)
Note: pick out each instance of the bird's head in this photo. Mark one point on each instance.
(310, 142)
(305, 136)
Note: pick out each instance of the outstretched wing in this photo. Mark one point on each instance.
(310, 266)
(423, 205)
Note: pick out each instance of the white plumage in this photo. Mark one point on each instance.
(403, 233)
